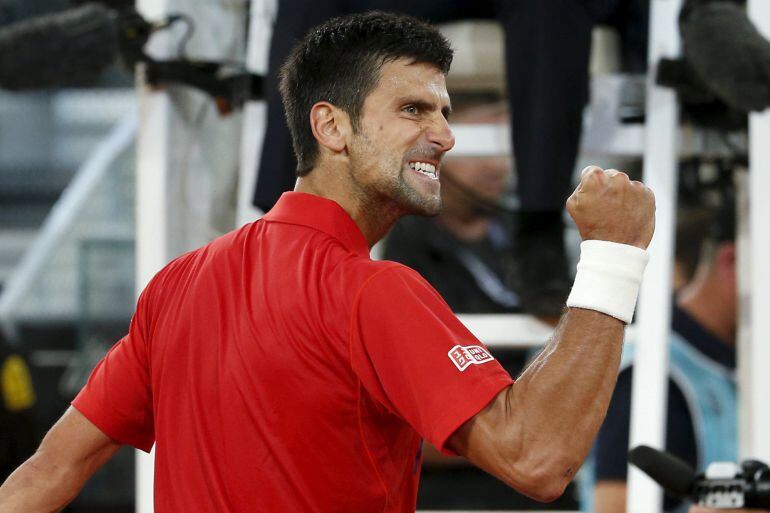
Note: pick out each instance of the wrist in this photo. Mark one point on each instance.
(608, 278)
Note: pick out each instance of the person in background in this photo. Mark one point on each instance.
(547, 50)
(465, 252)
(693, 225)
(702, 403)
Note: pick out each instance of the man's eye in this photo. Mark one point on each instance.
(411, 109)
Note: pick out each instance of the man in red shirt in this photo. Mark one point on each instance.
(279, 368)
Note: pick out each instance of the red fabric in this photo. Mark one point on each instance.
(280, 369)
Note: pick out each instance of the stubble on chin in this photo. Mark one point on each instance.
(421, 204)
(390, 193)
(408, 199)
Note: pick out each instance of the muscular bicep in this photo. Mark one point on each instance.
(75, 442)
(535, 434)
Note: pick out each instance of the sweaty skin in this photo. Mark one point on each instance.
(536, 434)
(68, 456)
(533, 435)
(367, 171)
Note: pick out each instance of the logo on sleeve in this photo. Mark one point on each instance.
(465, 356)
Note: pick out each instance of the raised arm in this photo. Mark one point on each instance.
(535, 434)
(70, 453)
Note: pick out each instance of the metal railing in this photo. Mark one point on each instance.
(64, 214)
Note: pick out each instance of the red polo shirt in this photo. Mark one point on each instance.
(280, 369)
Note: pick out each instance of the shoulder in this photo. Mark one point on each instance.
(187, 263)
(394, 289)
(361, 276)
(389, 275)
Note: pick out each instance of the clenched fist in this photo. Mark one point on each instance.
(607, 205)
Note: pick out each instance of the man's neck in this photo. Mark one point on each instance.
(701, 302)
(374, 219)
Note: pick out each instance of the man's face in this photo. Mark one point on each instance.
(403, 134)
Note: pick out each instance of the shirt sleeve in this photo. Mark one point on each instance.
(414, 356)
(117, 397)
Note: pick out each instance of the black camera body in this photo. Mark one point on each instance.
(729, 485)
(723, 485)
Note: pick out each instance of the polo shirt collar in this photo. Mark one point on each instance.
(321, 214)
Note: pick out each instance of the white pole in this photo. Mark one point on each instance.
(649, 387)
(152, 176)
(261, 17)
(187, 159)
(151, 229)
(754, 380)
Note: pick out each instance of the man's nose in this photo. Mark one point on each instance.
(441, 134)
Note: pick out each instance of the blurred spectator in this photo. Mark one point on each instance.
(702, 403)
(18, 436)
(466, 254)
(692, 228)
(547, 48)
(466, 251)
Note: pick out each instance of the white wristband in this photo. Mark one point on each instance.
(608, 278)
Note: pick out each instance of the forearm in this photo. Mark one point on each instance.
(38, 486)
(70, 453)
(536, 434)
(542, 427)
(567, 389)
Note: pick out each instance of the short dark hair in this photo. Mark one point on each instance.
(700, 230)
(339, 62)
(692, 231)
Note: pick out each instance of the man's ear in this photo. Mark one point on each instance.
(726, 257)
(330, 126)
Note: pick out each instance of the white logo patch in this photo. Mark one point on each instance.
(465, 356)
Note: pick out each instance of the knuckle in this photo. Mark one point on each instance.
(594, 173)
(588, 170)
(620, 177)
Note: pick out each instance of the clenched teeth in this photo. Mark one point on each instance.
(425, 168)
